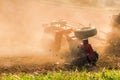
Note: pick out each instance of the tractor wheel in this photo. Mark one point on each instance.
(85, 32)
(94, 59)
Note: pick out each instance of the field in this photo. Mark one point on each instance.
(108, 68)
(26, 49)
(62, 75)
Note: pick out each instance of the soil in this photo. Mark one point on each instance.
(29, 65)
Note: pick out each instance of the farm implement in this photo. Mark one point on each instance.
(77, 39)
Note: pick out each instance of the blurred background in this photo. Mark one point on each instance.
(21, 30)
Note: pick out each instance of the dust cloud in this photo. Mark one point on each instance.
(22, 33)
(114, 37)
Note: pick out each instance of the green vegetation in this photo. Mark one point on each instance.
(76, 75)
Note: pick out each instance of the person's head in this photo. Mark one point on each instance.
(85, 41)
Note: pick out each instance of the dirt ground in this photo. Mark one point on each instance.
(38, 64)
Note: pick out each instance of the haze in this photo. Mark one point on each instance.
(21, 30)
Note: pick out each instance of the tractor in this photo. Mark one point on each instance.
(77, 38)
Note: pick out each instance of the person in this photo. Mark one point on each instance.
(90, 53)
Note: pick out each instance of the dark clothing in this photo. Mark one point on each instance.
(88, 49)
